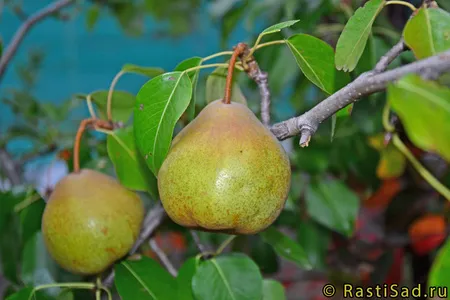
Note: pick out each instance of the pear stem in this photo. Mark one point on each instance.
(238, 50)
(83, 124)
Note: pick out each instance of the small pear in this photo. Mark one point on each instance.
(90, 221)
(225, 172)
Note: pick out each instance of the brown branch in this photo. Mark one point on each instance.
(23, 30)
(9, 167)
(152, 220)
(163, 258)
(366, 84)
(238, 50)
(201, 247)
(261, 78)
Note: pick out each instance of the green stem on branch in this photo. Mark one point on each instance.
(426, 175)
(225, 244)
(110, 92)
(439, 187)
(399, 2)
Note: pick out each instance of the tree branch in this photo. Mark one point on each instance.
(9, 167)
(366, 84)
(152, 220)
(23, 30)
(163, 258)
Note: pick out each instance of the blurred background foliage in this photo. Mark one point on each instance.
(43, 100)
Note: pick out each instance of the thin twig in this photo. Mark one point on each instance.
(366, 84)
(202, 248)
(11, 170)
(389, 57)
(152, 220)
(163, 258)
(261, 78)
(26, 26)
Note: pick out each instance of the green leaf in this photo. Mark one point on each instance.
(193, 76)
(184, 279)
(353, 38)
(128, 163)
(424, 109)
(160, 103)
(230, 277)
(10, 251)
(286, 247)
(145, 71)
(92, 16)
(440, 269)
(23, 294)
(333, 205)
(31, 218)
(215, 87)
(428, 32)
(37, 266)
(315, 58)
(315, 241)
(273, 290)
(121, 106)
(278, 27)
(144, 279)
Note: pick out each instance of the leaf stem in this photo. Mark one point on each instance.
(218, 65)
(225, 244)
(110, 92)
(385, 118)
(72, 285)
(255, 46)
(90, 106)
(268, 44)
(442, 189)
(223, 53)
(27, 202)
(399, 2)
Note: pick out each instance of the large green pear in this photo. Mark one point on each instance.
(90, 221)
(225, 172)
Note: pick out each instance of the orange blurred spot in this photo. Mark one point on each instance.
(427, 233)
(65, 154)
(383, 196)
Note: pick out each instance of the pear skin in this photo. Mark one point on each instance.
(90, 221)
(225, 172)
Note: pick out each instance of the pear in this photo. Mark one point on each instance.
(225, 172)
(90, 221)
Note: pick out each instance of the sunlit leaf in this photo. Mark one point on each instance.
(144, 279)
(215, 87)
(428, 32)
(230, 277)
(160, 103)
(286, 247)
(316, 60)
(129, 164)
(121, 106)
(353, 38)
(193, 75)
(424, 109)
(278, 27)
(145, 71)
(273, 290)
(332, 204)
